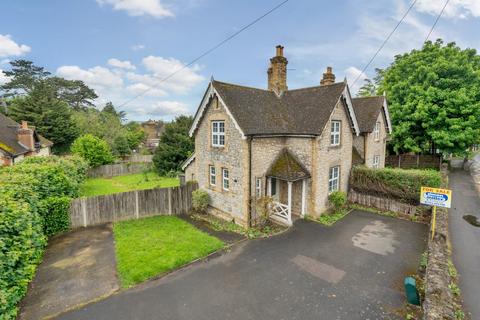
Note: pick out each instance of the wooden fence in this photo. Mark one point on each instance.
(411, 161)
(140, 158)
(118, 169)
(131, 205)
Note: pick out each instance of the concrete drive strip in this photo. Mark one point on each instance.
(320, 270)
(78, 267)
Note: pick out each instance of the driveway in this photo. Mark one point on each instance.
(78, 267)
(465, 238)
(353, 270)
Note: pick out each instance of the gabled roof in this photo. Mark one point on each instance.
(187, 162)
(295, 112)
(287, 167)
(9, 139)
(367, 110)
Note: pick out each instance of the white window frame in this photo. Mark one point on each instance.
(335, 132)
(333, 179)
(218, 133)
(212, 172)
(225, 179)
(258, 187)
(376, 131)
(376, 161)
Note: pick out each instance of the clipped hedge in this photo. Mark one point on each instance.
(35, 197)
(393, 183)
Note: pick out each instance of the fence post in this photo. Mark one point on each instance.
(136, 204)
(84, 211)
(170, 201)
(399, 161)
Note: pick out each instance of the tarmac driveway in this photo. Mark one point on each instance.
(353, 270)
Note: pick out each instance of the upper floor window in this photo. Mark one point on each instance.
(376, 161)
(335, 129)
(226, 179)
(212, 175)
(333, 179)
(218, 133)
(376, 131)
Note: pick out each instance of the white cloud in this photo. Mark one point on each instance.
(455, 8)
(352, 74)
(8, 47)
(95, 77)
(137, 47)
(162, 109)
(3, 78)
(143, 89)
(153, 8)
(121, 64)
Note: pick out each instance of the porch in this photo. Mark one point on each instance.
(287, 186)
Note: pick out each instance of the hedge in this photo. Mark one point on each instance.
(35, 197)
(399, 184)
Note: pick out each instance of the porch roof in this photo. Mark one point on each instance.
(287, 167)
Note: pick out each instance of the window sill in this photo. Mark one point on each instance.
(338, 146)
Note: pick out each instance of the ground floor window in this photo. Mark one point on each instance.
(376, 161)
(226, 179)
(258, 187)
(273, 186)
(333, 179)
(212, 175)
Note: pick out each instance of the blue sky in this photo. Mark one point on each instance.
(122, 47)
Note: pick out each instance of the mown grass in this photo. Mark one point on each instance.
(151, 246)
(138, 181)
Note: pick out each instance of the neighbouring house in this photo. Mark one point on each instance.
(374, 122)
(292, 145)
(18, 141)
(153, 130)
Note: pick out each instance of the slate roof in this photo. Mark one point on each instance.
(8, 137)
(287, 167)
(367, 110)
(295, 112)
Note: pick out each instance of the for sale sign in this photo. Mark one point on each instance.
(436, 197)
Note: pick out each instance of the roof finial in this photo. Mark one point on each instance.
(345, 79)
(211, 78)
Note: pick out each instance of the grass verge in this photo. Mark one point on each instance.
(329, 218)
(138, 181)
(151, 246)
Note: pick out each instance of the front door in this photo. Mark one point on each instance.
(274, 189)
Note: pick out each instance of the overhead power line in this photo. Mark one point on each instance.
(436, 20)
(221, 43)
(385, 41)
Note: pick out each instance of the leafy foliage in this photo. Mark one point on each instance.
(34, 200)
(367, 89)
(23, 77)
(337, 199)
(93, 149)
(399, 184)
(121, 147)
(200, 200)
(434, 98)
(175, 145)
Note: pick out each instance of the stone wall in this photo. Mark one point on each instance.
(376, 147)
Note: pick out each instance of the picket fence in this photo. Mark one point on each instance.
(136, 204)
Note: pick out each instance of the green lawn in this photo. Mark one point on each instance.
(151, 246)
(138, 181)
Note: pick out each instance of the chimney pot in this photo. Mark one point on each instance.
(277, 73)
(279, 51)
(24, 124)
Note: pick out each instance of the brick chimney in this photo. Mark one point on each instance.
(328, 77)
(277, 73)
(25, 136)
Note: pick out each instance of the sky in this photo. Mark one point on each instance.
(121, 48)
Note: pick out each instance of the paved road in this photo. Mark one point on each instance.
(466, 238)
(353, 270)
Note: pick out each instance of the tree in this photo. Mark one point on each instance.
(23, 77)
(368, 89)
(121, 146)
(101, 124)
(74, 92)
(434, 98)
(93, 149)
(110, 109)
(135, 134)
(51, 117)
(175, 145)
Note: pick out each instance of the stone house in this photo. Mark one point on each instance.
(18, 141)
(153, 130)
(292, 145)
(375, 126)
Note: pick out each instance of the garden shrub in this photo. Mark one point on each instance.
(55, 214)
(94, 150)
(21, 246)
(337, 199)
(399, 184)
(200, 200)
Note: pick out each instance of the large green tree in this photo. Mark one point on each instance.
(51, 117)
(23, 77)
(175, 146)
(434, 98)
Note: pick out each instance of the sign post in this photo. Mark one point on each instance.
(437, 198)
